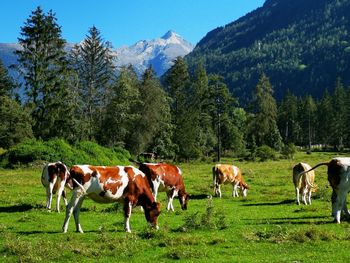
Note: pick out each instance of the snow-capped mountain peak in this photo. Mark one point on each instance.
(159, 53)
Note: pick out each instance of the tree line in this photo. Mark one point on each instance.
(79, 95)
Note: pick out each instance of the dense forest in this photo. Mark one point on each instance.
(79, 96)
(302, 45)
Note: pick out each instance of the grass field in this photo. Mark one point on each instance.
(266, 226)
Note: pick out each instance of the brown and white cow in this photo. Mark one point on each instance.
(229, 174)
(167, 178)
(303, 184)
(125, 184)
(54, 177)
(339, 179)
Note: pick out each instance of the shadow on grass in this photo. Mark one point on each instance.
(305, 220)
(199, 196)
(16, 208)
(284, 202)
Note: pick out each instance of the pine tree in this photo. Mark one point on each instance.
(324, 119)
(339, 118)
(154, 111)
(6, 83)
(44, 66)
(93, 62)
(122, 113)
(287, 118)
(264, 125)
(180, 91)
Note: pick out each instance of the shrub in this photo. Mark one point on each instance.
(265, 153)
(289, 150)
(85, 152)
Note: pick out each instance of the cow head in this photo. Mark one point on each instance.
(183, 198)
(151, 213)
(244, 189)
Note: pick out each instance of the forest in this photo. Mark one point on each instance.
(189, 114)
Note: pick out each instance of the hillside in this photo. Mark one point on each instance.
(302, 45)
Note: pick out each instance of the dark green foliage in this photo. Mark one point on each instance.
(264, 153)
(58, 150)
(15, 125)
(93, 62)
(6, 83)
(301, 45)
(44, 67)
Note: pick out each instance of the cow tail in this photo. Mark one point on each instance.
(307, 178)
(79, 185)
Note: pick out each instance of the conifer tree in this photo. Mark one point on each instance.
(264, 124)
(44, 66)
(6, 83)
(122, 110)
(154, 113)
(93, 62)
(288, 118)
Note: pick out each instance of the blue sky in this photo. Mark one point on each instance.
(124, 22)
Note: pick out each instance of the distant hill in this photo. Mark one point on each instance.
(158, 52)
(302, 45)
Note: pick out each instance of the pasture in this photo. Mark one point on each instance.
(266, 226)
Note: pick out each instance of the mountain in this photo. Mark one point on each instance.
(158, 52)
(302, 45)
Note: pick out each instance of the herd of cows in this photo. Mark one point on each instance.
(139, 186)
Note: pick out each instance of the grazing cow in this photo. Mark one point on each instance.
(125, 184)
(229, 174)
(54, 177)
(167, 178)
(339, 179)
(304, 183)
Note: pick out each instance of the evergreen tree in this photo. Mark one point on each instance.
(288, 118)
(339, 118)
(15, 123)
(324, 119)
(122, 113)
(44, 66)
(181, 91)
(93, 62)
(6, 83)
(264, 124)
(154, 112)
(206, 136)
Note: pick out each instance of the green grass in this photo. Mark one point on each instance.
(267, 226)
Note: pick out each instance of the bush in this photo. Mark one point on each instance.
(85, 152)
(265, 153)
(289, 150)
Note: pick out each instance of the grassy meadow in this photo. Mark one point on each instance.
(266, 226)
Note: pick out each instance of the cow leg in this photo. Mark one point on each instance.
(70, 208)
(127, 214)
(304, 195)
(59, 193)
(309, 196)
(76, 213)
(171, 196)
(235, 190)
(217, 190)
(339, 204)
(156, 184)
(49, 193)
(297, 195)
(64, 195)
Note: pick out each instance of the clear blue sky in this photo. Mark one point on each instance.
(124, 22)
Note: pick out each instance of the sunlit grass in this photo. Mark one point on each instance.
(266, 226)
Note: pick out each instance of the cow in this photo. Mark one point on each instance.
(229, 174)
(124, 184)
(339, 178)
(303, 184)
(167, 178)
(54, 178)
